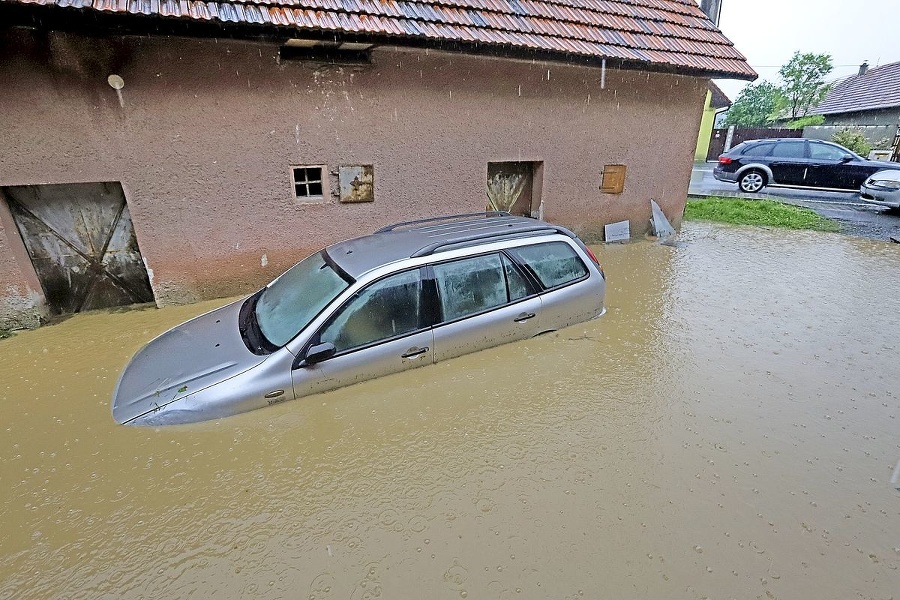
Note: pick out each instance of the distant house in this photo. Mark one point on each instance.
(172, 151)
(716, 103)
(869, 100)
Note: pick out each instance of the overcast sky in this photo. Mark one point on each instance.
(768, 32)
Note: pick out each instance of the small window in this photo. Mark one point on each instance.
(790, 150)
(758, 150)
(471, 285)
(389, 308)
(554, 263)
(308, 183)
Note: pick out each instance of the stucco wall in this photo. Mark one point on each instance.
(207, 130)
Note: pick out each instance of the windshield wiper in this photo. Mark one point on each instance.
(253, 337)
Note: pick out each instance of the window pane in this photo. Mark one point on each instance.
(386, 309)
(825, 152)
(470, 286)
(517, 284)
(294, 299)
(554, 263)
(307, 181)
(759, 150)
(790, 150)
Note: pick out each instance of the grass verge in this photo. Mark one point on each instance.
(767, 213)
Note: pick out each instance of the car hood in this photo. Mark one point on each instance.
(889, 174)
(194, 355)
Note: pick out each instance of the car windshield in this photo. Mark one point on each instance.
(290, 302)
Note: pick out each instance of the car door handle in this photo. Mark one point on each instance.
(524, 317)
(413, 352)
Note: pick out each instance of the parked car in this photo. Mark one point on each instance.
(411, 294)
(883, 188)
(794, 162)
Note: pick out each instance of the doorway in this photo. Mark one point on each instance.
(515, 187)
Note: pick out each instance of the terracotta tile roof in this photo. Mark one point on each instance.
(674, 34)
(877, 88)
(719, 98)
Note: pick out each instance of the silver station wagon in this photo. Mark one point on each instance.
(408, 295)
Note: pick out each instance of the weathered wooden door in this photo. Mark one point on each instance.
(82, 244)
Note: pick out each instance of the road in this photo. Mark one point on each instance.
(855, 216)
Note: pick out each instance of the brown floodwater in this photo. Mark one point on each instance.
(729, 429)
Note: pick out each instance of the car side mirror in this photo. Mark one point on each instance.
(846, 158)
(319, 352)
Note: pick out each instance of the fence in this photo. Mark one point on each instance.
(721, 141)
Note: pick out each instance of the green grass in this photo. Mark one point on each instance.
(766, 213)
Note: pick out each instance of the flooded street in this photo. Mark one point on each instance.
(729, 429)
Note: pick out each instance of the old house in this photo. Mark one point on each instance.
(869, 101)
(173, 150)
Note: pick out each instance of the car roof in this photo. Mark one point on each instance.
(429, 236)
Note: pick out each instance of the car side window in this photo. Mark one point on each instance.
(471, 285)
(554, 263)
(388, 308)
(825, 152)
(758, 150)
(790, 150)
(518, 286)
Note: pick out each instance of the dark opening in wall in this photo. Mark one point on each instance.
(308, 183)
(350, 53)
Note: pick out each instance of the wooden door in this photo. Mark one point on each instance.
(82, 244)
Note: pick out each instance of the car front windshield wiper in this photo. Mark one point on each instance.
(248, 325)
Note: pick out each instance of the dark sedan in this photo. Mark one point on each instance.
(794, 162)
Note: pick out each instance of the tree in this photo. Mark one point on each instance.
(852, 138)
(755, 106)
(803, 81)
(806, 121)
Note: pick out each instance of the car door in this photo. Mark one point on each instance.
(484, 301)
(789, 162)
(834, 167)
(382, 329)
(569, 295)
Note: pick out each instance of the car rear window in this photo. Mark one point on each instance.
(554, 263)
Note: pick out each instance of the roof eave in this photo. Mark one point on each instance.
(104, 23)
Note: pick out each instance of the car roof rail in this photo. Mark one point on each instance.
(489, 213)
(542, 228)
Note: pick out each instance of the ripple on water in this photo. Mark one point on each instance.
(748, 369)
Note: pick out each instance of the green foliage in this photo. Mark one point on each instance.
(5, 333)
(803, 81)
(766, 213)
(755, 106)
(806, 121)
(852, 138)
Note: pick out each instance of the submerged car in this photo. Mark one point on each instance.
(410, 294)
(794, 162)
(882, 188)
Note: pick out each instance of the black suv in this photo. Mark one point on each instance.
(795, 162)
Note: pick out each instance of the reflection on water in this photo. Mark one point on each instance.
(728, 429)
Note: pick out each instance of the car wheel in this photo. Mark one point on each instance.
(752, 181)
